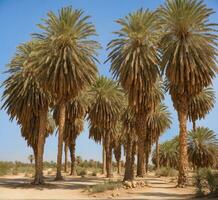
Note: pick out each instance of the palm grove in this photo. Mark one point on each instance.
(54, 77)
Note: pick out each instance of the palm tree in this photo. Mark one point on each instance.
(76, 110)
(158, 122)
(104, 112)
(203, 148)
(25, 101)
(188, 59)
(66, 61)
(201, 104)
(134, 61)
(168, 154)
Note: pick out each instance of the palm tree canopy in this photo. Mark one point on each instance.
(188, 46)
(23, 96)
(169, 153)
(159, 121)
(106, 104)
(201, 104)
(66, 55)
(134, 56)
(203, 147)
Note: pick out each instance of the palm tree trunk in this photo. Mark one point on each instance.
(183, 156)
(133, 158)
(60, 140)
(194, 125)
(157, 155)
(141, 157)
(40, 149)
(146, 160)
(72, 148)
(108, 155)
(103, 157)
(128, 175)
(65, 154)
(117, 154)
(35, 155)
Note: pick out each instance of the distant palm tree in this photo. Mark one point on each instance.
(203, 148)
(134, 61)
(201, 104)
(158, 122)
(66, 61)
(169, 153)
(188, 46)
(104, 112)
(25, 101)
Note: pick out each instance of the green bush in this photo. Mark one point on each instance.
(206, 180)
(166, 171)
(102, 187)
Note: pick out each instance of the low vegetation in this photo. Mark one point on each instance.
(206, 182)
(102, 187)
(167, 171)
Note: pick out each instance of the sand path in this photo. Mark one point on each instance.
(19, 187)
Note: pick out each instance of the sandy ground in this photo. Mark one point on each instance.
(19, 187)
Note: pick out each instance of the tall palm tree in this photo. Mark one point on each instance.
(200, 105)
(134, 61)
(66, 59)
(28, 103)
(158, 122)
(203, 147)
(188, 46)
(104, 112)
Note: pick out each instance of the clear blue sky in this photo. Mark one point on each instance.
(18, 20)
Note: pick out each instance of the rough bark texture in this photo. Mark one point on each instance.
(157, 155)
(183, 157)
(72, 148)
(128, 175)
(65, 156)
(103, 157)
(141, 157)
(60, 141)
(35, 155)
(133, 158)
(38, 180)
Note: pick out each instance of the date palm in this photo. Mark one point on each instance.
(203, 147)
(65, 57)
(104, 112)
(188, 46)
(158, 122)
(168, 153)
(28, 103)
(201, 104)
(134, 61)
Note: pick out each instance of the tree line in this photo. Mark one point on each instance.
(55, 77)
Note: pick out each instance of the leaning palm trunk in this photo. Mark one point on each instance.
(72, 147)
(157, 154)
(65, 156)
(40, 149)
(183, 155)
(60, 140)
(128, 175)
(194, 125)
